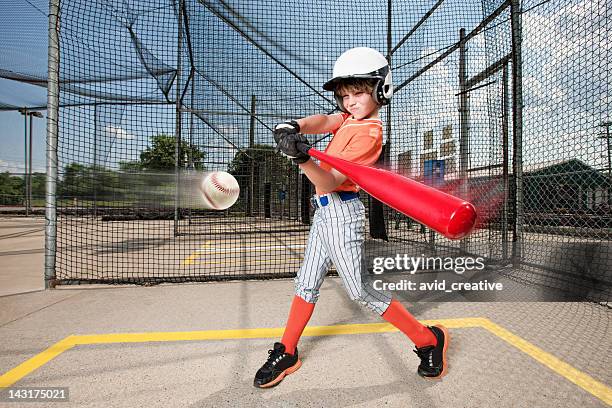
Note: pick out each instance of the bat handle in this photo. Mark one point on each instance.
(302, 147)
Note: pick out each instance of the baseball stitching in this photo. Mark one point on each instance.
(210, 201)
(229, 191)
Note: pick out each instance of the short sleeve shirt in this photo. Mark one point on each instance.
(358, 141)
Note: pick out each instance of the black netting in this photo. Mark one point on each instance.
(209, 79)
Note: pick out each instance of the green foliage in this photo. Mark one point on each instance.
(76, 180)
(261, 164)
(39, 181)
(83, 181)
(132, 166)
(261, 157)
(11, 189)
(161, 154)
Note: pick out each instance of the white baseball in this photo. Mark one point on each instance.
(219, 190)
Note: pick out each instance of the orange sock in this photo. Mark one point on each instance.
(299, 315)
(398, 316)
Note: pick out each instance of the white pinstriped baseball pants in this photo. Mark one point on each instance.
(337, 236)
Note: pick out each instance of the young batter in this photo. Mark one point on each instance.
(361, 84)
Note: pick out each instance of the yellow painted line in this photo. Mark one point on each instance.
(582, 380)
(252, 248)
(229, 252)
(195, 255)
(228, 261)
(192, 258)
(11, 377)
(37, 361)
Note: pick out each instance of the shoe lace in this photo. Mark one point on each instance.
(274, 356)
(425, 354)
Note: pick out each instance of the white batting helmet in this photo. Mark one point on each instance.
(367, 63)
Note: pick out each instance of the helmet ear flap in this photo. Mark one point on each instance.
(383, 90)
(378, 94)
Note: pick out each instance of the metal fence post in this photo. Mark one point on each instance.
(464, 122)
(52, 139)
(251, 188)
(517, 128)
(505, 160)
(95, 162)
(177, 132)
(25, 159)
(29, 175)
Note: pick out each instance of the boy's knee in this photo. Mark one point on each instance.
(377, 304)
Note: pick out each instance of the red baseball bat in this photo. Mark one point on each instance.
(449, 215)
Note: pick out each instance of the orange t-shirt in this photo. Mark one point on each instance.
(358, 141)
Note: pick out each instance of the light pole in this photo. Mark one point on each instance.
(607, 137)
(28, 156)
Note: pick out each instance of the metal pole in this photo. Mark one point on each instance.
(25, 159)
(251, 191)
(95, 161)
(607, 137)
(190, 157)
(452, 49)
(464, 122)
(505, 160)
(517, 127)
(52, 137)
(177, 134)
(416, 26)
(609, 160)
(29, 197)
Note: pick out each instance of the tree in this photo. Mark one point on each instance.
(39, 181)
(277, 167)
(76, 180)
(161, 154)
(262, 164)
(11, 189)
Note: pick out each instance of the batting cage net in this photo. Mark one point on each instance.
(504, 103)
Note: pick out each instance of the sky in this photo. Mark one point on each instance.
(561, 68)
(12, 143)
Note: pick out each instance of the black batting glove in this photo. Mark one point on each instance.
(289, 127)
(287, 145)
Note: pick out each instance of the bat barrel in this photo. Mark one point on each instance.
(449, 215)
(461, 221)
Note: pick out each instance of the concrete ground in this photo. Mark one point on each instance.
(22, 250)
(537, 354)
(199, 345)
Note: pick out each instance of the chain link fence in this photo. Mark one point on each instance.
(504, 103)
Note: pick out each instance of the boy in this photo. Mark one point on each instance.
(361, 84)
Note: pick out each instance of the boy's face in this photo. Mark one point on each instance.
(359, 103)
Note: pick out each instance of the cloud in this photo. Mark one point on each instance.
(118, 132)
(565, 82)
(18, 167)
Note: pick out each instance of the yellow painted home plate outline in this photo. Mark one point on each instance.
(582, 380)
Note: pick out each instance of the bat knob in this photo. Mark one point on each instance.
(461, 221)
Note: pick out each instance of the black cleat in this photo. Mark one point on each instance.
(279, 365)
(433, 358)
